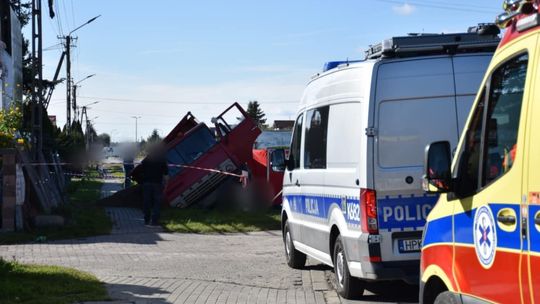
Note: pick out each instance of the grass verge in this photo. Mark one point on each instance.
(193, 220)
(115, 170)
(83, 217)
(20, 283)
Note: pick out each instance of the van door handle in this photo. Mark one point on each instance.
(507, 219)
(297, 184)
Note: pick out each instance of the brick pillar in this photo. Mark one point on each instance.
(8, 191)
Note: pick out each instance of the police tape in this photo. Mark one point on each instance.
(276, 196)
(243, 176)
(90, 175)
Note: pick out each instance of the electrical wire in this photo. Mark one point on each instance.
(72, 11)
(57, 46)
(180, 102)
(445, 6)
(66, 15)
(127, 113)
(58, 18)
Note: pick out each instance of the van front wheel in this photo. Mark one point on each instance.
(295, 258)
(447, 297)
(347, 286)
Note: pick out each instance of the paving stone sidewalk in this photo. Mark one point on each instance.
(146, 265)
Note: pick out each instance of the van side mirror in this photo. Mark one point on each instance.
(289, 162)
(277, 160)
(437, 163)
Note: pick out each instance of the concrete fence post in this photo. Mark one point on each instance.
(9, 189)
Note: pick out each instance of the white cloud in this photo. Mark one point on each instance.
(404, 9)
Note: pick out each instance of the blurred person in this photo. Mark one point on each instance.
(155, 174)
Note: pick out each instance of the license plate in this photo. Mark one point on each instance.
(411, 245)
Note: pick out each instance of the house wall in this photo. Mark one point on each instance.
(11, 63)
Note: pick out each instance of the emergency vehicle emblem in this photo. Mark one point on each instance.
(485, 236)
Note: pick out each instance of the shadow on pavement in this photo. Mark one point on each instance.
(400, 292)
(318, 267)
(375, 292)
(146, 238)
(137, 294)
(387, 292)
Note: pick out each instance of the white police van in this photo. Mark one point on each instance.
(352, 193)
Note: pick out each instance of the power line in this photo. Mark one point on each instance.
(461, 8)
(55, 29)
(453, 3)
(72, 11)
(181, 102)
(53, 47)
(66, 15)
(58, 19)
(130, 123)
(127, 113)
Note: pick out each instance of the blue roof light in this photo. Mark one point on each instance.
(334, 64)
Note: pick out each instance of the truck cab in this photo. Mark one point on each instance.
(196, 156)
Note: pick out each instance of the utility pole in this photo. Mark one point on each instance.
(68, 82)
(84, 114)
(37, 80)
(74, 103)
(136, 135)
(74, 97)
(55, 79)
(68, 39)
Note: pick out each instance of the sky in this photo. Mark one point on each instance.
(160, 59)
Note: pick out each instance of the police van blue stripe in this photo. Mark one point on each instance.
(404, 212)
(319, 206)
(393, 213)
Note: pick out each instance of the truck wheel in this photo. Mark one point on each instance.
(347, 286)
(295, 258)
(447, 297)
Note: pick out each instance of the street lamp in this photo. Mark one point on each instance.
(89, 135)
(112, 132)
(85, 108)
(68, 70)
(87, 22)
(92, 103)
(89, 76)
(75, 86)
(136, 119)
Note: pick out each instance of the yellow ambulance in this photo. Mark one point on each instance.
(481, 242)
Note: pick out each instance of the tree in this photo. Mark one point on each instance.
(154, 137)
(255, 112)
(105, 139)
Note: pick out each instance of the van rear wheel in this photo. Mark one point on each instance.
(295, 258)
(347, 286)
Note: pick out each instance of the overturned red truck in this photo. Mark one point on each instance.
(196, 152)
